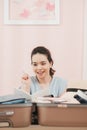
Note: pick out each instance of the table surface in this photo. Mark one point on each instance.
(38, 127)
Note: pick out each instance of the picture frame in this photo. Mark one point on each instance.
(36, 12)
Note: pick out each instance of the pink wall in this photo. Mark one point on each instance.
(64, 40)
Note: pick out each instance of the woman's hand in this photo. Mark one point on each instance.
(26, 82)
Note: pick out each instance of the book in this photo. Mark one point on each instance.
(20, 96)
(13, 101)
(81, 96)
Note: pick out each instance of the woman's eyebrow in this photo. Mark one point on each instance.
(43, 61)
(33, 62)
(40, 62)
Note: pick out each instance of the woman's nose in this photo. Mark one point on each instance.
(39, 67)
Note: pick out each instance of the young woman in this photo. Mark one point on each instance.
(42, 63)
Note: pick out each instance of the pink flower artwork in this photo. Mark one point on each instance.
(25, 14)
(50, 7)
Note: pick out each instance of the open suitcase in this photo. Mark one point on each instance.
(15, 115)
(53, 114)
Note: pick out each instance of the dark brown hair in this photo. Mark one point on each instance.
(43, 50)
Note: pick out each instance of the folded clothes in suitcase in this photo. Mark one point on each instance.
(15, 115)
(54, 114)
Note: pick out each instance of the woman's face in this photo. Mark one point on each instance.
(41, 65)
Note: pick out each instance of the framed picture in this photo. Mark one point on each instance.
(32, 12)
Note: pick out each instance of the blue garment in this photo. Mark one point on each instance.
(56, 87)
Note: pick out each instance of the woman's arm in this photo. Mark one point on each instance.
(26, 82)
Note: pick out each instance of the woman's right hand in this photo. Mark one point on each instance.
(26, 82)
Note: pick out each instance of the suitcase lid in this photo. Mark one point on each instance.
(60, 105)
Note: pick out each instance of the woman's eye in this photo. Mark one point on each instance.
(43, 63)
(34, 64)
